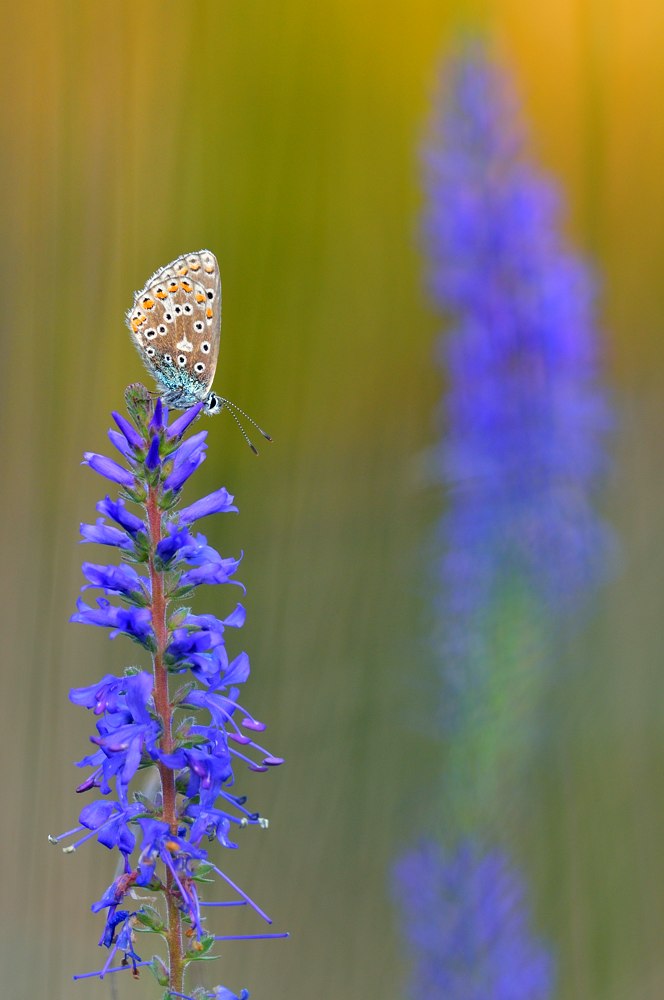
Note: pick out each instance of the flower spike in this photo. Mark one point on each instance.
(140, 724)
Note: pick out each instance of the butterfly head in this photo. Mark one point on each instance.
(213, 404)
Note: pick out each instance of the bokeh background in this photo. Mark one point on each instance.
(285, 136)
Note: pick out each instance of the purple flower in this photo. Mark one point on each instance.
(179, 426)
(110, 821)
(108, 468)
(134, 622)
(152, 457)
(119, 441)
(132, 436)
(182, 472)
(525, 415)
(193, 446)
(176, 539)
(140, 723)
(109, 694)
(121, 579)
(104, 534)
(219, 571)
(117, 511)
(218, 502)
(160, 416)
(465, 918)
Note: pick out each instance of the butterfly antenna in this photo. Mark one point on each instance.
(233, 406)
(242, 430)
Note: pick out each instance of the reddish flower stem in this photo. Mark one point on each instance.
(163, 707)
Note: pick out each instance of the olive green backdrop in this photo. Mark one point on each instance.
(284, 135)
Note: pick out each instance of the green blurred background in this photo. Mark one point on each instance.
(284, 137)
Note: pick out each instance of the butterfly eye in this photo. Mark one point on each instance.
(161, 330)
(182, 360)
(199, 367)
(150, 351)
(205, 346)
(199, 327)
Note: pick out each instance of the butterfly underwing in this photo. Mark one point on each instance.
(175, 323)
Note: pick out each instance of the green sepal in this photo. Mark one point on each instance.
(178, 616)
(151, 919)
(138, 496)
(206, 943)
(143, 800)
(180, 593)
(201, 873)
(182, 693)
(182, 729)
(159, 971)
(153, 476)
(192, 741)
(132, 670)
(141, 551)
(182, 781)
(136, 599)
(169, 500)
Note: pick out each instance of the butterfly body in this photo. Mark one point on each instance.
(175, 323)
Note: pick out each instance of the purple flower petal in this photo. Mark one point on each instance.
(131, 434)
(179, 426)
(218, 502)
(180, 475)
(105, 534)
(108, 468)
(152, 457)
(117, 510)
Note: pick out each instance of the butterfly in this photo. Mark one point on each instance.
(175, 323)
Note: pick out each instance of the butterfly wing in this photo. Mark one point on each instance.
(175, 324)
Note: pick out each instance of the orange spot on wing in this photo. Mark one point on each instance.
(195, 267)
(148, 303)
(162, 294)
(183, 269)
(209, 313)
(199, 297)
(173, 286)
(187, 286)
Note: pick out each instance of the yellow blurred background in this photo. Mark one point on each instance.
(284, 136)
